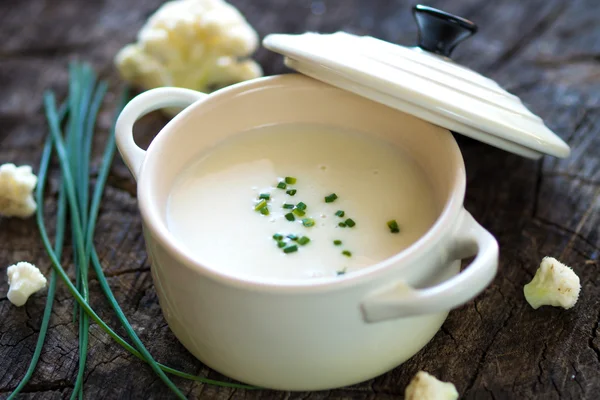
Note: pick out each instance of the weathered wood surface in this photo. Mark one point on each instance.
(496, 347)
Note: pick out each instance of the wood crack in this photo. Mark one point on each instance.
(542, 359)
(537, 187)
(538, 30)
(58, 385)
(581, 223)
(555, 386)
(585, 181)
(481, 360)
(570, 59)
(491, 393)
(114, 274)
(448, 333)
(591, 342)
(543, 221)
(99, 364)
(576, 372)
(43, 52)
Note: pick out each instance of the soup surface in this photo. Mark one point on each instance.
(216, 212)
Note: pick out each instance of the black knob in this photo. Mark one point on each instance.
(439, 31)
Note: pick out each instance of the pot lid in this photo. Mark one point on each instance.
(423, 81)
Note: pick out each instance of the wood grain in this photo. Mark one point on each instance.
(495, 347)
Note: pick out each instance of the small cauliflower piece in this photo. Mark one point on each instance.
(426, 387)
(196, 44)
(24, 279)
(16, 191)
(554, 284)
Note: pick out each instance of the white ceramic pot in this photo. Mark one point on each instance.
(306, 334)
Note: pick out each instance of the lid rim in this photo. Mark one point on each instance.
(503, 122)
(452, 125)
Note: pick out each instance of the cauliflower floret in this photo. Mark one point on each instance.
(16, 191)
(426, 387)
(24, 279)
(554, 284)
(194, 44)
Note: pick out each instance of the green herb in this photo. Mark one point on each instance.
(288, 206)
(264, 211)
(293, 237)
(308, 222)
(58, 245)
(340, 213)
(260, 205)
(290, 249)
(291, 192)
(393, 225)
(341, 272)
(289, 180)
(342, 224)
(79, 143)
(83, 226)
(301, 206)
(84, 247)
(265, 196)
(303, 240)
(281, 185)
(299, 212)
(337, 242)
(290, 217)
(281, 244)
(278, 236)
(350, 222)
(331, 198)
(347, 253)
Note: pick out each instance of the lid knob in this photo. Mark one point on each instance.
(439, 31)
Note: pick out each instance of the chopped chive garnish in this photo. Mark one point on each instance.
(265, 196)
(260, 205)
(347, 253)
(264, 211)
(288, 206)
(331, 198)
(303, 240)
(342, 224)
(393, 225)
(340, 213)
(341, 272)
(281, 244)
(291, 192)
(290, 217)
(308, 222)
(301, 206)
(278, 236)
(350, 222)
(293, 237)
(337, 242)
(281, 185)
(290, 180)
(299, 212)
(290, 249)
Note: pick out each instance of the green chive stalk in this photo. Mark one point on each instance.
(143, 354)
(71, 139)
(85, 80)
(61, 217)
(76, 222)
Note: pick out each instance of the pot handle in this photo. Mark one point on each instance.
(141, 105)
(400, 300)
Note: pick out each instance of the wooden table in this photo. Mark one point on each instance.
(495, 347)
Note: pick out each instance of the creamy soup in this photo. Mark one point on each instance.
(216, 211)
